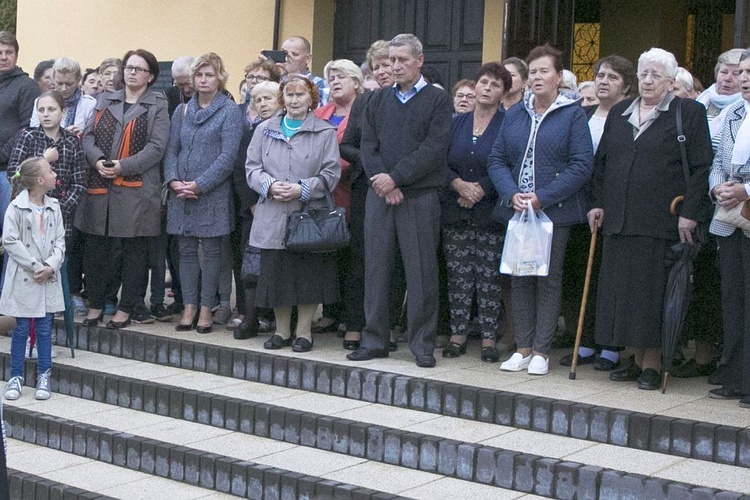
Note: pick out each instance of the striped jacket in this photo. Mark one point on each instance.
(721, 169)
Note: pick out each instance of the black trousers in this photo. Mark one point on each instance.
(75, 246)
(414, 227)
(99, 271)
(734, 263)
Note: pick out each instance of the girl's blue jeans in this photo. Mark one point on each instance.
(43, 344)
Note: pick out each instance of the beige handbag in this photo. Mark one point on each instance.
(737, 216)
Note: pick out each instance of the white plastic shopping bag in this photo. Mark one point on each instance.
(528, 243)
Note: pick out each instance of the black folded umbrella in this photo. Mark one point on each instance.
(677, 297)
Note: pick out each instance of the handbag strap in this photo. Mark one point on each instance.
(682, 139)
(329, 195)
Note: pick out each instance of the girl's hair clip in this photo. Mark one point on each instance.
(17, 175)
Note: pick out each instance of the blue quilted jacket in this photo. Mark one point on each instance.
(563, 159)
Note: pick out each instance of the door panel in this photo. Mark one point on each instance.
(536, 22)
(450, 31)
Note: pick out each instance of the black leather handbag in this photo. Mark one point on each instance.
(318, 230)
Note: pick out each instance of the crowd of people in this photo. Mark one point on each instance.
(118, 182)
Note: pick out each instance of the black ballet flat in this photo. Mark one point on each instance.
(277, 342)
(490, 354)
(204, 329)
(454, 349)
(117, 325)
(183, 328)
(301, 344)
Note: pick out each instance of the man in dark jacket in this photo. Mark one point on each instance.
(17, 95)
(404, 150)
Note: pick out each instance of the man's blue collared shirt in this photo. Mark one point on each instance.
(404, 97)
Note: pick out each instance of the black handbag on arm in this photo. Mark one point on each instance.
(318, 230)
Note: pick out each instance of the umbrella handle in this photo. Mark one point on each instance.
(584, 300)
(673, 206)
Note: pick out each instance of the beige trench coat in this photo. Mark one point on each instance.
(22, 297)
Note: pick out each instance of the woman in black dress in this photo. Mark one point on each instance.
(638, 173)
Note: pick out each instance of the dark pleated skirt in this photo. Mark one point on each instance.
(289, 279)
(630, 294)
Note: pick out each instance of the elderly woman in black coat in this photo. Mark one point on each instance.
(638, 172)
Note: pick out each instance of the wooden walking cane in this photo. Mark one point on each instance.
(584, 300)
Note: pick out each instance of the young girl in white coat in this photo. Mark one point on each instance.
(34, 239)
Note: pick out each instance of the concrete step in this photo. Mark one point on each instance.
(219, 460)
(60, 475)
(378, 428)
(28, 486)
(709, 438)
(474, 458)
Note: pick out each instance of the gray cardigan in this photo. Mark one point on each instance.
(202, 147)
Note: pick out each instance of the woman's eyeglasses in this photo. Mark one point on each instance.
(136, 69)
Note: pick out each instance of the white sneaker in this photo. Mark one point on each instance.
(539, 365)
(516, 363)
(43, 386)
(13, 388)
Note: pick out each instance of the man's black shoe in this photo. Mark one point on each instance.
(724, 393)
(364, 354)
(245, 330)
(426, 361)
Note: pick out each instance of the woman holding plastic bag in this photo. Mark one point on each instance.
(542, 159)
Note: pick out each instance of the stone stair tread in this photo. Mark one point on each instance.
(529, 406)
(106, 479)
(279, 454)
(523, 440)
(685, 398)
(373, 413)
(265, 451)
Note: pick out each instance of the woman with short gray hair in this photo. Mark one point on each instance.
(724, 92)
(729, 183)
(638, 172)
(684, 84)
(345, 80)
